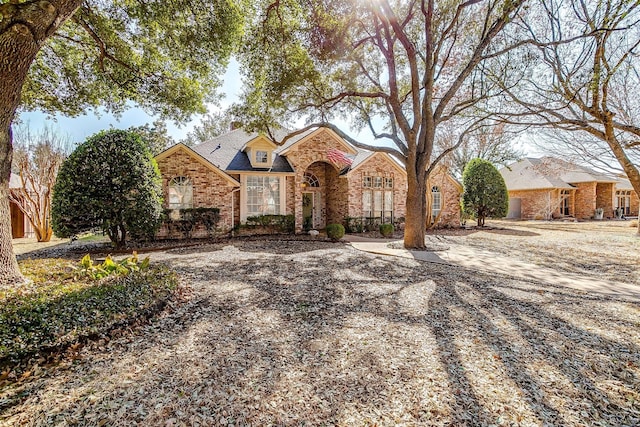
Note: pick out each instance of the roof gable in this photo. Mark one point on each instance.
(196, 156)
(260, 141)
(288, 147)
(364, 157)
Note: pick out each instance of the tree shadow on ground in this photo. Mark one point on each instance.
(336, 336)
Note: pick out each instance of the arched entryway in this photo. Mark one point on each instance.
(324, 196)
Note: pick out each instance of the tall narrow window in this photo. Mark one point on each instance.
(436, 202)
(180, 193)
(623, 201)
(367, 210)
(565, 208)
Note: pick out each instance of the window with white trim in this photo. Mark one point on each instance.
(180, 193)
(263, 195)
(623, 201)
(262, 156)
(377, 198)
(436, 202)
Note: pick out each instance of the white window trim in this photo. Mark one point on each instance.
(244, 196)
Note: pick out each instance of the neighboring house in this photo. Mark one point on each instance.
(316, 176)
(553, 188)
(20, 225)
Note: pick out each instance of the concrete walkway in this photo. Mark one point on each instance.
(472, 258)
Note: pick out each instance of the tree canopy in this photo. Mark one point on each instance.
(110, 182)
(576, 70)
(165, 56)
(71, 55)
(399, 69)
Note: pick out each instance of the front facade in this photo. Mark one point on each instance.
(549, 188)
(316, 176)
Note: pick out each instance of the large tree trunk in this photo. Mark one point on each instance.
(24, 28)
(9, 271)
(416, 208)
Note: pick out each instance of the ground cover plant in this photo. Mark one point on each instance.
(66, 302)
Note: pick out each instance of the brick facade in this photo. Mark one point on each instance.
(340, 196)
(537, 204)
(210, 189)
(604, 198)
(635, 204)
(583, 201)
(450, 192)
(376, 165)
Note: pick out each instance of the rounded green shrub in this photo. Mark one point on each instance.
(335, 231)
(111, 182)
(485, 192)
(386, 230)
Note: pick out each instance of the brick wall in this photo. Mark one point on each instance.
(585, 201)
(604, 198)
(305, 154)
(450, 196)
(376, 165)
(635, 204)
(209, 188)
(536, 204)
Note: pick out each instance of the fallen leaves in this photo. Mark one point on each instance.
(316, 333)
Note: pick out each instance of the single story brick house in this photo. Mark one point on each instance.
(315, 176)
(548, 188)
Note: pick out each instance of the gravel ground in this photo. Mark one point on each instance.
(315, 333)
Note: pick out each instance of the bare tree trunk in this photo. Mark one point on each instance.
(24, 28)
(627, 165)
(416, 208)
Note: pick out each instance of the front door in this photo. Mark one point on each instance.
(17, 221)
(312, 210)
(307, 211)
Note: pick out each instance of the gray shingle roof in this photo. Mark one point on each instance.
(548, 172)
(230, 157)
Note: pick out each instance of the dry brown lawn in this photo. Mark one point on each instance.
(314, 333)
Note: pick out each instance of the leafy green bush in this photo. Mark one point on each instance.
(386, 230)
(275, 223)
(187, 220)
(485, 192)
(110, 182)
(353, 224)
(335, 231)
(57, 310)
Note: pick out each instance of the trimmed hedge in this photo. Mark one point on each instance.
(58, 309)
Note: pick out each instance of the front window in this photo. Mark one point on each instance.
(623, 201)
(436, 202)
(377, 198)
(263, 195)
(262, 156)
(180, 193)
